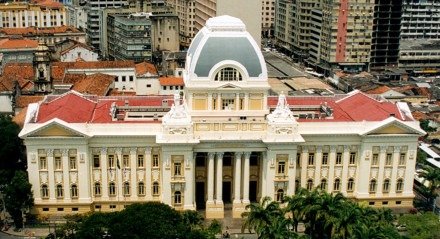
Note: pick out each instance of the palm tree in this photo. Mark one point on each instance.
(260, 216)
(431, 175)
(295, 206)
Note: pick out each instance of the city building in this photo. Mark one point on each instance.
(420, 38)
(49, 35)
(19, 50)
(76, 14)
(71, 50)
(221, 144)
(41, 13)
(267, 18)
(129, 37)
(185, 10)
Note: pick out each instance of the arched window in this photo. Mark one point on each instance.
(386, 185)
(59, 191)
(155, 188)
(177, 197)
(112, 189)
(74, 191)
(373, 186)
(141, 188)
(336, 184)
(228, 74)
(44, 191)
(280, 195)
(97, 189)
(126, 189)
(350, 185)
(399, 185)
(309, 184)
(324, 184)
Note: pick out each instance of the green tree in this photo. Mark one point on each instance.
(11, 146)
(95, 225)
(421, 226)
(18, 197)
(424, 124)
(432, 176)
(151, 219)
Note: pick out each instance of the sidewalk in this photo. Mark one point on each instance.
(40, 232)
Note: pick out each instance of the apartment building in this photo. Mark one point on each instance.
(267, 18)
(284, 25)
(185, 10)
(44, 13)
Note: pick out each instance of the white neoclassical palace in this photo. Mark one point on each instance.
(222, 144)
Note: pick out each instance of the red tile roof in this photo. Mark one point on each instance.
(95, 84)
(24, 100)
(74, 108)
(18, 44)
(378, 90)
(145, 67)
(23, 73)
(20, 117)
(171, 81)
(48, 3)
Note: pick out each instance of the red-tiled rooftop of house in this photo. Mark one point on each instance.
(48, 3)
(95, 84)
(165, 81)
(23, 73)
(145, 67)
(18, 44)
(378, 90)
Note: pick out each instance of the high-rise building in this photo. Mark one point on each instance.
(38, 14)
(284, 25)
(225, 144)
(386, 34)
(185, 10)
(267, 18)
(420, 36)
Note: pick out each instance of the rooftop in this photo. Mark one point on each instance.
(30, 31)
(18, 44)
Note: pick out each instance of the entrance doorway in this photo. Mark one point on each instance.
(200, 195)
(226, 192)
(253, 191)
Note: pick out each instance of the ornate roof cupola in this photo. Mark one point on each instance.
(282, 125)
(43, 80)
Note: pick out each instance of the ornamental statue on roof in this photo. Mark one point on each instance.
(282, 113)
(177, 120)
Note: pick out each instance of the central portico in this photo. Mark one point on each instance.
(223, 120)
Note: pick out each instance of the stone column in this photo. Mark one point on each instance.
(119, 177)
(237, 207)
(246, 178)
(344, 177)
(189, 173)
(304, 157)
(210, 178)
(291, 172)
(318, 163)
(66, 171)
(133, 171)
(219, 179)
(51, 173)
(104, 170)
(379, 179)
(148, 178)
(395, 163)
(331, 170)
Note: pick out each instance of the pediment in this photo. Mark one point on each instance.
(394, 127)
(54, 128)
(228, 87)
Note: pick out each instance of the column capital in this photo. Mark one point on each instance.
(64, 152)
(305, 150)
(49, 152)
(238, 154)
(319, 149)
(247, 155)
(148, 150)
(346, 148)
(133, 150)
(397, 149)
(220, 154)
(118, 150)
(383, 149)
(333, 148)
(211, 155)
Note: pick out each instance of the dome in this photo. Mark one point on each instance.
(224, 41)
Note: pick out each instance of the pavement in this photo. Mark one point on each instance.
(25, 233)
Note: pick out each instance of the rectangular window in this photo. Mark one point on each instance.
(352, 158)
(371, 203)
(298, 160)
(74, 209)
(155, 160)
(281, 167)
(164, 87)
(60, 209)
(124, 78)
(228, 104)
(96, 161)
(375, 160)
(58, 163)
(111, 161)
(388, 159)
(72, 162)
(324, 158)
(43, 163)
(140, 161)
(45, 209)
(125, 161)
(311, 158)
(402, 159)
(177, 169)
(130, 78)
(112, 206)
(339, 158)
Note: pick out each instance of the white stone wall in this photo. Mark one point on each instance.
(79, 52)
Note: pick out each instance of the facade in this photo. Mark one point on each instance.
(267, 18)
(222, 145)
(39, 14)
(16, 50)
(283, 25)
(129, 37)
(185, 10)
